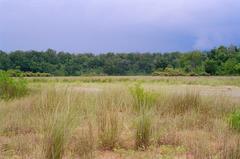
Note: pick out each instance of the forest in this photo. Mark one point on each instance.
(221, 60)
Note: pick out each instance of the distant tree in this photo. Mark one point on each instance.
(211, 67)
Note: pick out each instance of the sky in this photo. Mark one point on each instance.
(100, 26)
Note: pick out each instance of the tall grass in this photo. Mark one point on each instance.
(108, 129)
(10, 87)
(143, 99)
(186, 101)
(58, 112)
(61, 123)
(143, 131)
(84, 143)
(108, 122)
(231, 150)
(143, 105)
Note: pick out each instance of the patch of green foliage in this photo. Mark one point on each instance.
(142, 99)
(11, 87)
(234, 120)
(218, 61)
(18, 73)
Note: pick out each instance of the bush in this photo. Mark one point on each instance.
(10, 87)
(234, 120)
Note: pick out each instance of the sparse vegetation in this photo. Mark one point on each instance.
(100, 117)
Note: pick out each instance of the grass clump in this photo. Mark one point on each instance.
(234, 120)
(108, 128)
(85, 143)
(57, 109)
(183, 102)
(143, 131)
(143, 104)
(142, 98)
(10, 87)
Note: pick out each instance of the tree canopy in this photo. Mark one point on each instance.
(218, 61)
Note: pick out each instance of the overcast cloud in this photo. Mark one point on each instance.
(118, 25)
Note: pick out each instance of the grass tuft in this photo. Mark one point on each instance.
(143, 131)
(108, 128)
(181, 103)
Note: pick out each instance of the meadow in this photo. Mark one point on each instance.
(128, 117)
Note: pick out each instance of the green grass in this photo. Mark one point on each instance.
(143, 100)
(12, 87)
(234, 120)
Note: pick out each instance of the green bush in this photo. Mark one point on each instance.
(234, 120)
(11, 87)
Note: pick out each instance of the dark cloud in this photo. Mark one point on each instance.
(120, 25)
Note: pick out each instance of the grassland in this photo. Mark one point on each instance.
(123, 117)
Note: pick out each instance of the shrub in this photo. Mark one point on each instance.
(234, 120)
(142, 99)
(10, 87)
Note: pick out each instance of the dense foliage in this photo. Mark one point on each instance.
(218, 61)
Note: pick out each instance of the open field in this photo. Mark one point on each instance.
(134, 117)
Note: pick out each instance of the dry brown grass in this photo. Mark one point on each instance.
(64, 122)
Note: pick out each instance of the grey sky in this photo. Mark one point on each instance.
(118, 25)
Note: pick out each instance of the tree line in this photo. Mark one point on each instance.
(218, 61)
